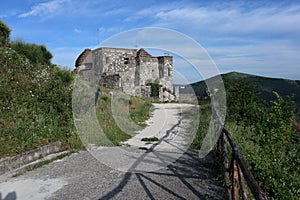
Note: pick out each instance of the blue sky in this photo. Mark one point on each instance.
(257, 37)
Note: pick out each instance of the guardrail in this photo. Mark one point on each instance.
(237, 172)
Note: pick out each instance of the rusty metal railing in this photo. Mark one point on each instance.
(237, 172)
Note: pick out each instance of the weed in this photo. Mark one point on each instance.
(143, 148)
(152, 139)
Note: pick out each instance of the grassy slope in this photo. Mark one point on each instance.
(139, 109)
(35, 106)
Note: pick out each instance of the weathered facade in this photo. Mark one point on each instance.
(129, 70)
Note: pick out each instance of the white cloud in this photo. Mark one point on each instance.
(230, 20)
(254, 39)
(260, 39)
(76, 30)
(46, 8)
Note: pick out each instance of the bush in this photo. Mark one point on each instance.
(154, 89)
(37, 54)
(267, 141)
(35, 104)
(4, 34)
(265, 135)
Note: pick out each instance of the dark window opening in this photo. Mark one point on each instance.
(126, 61)
(161, 73)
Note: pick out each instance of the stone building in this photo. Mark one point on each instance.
(130, 70)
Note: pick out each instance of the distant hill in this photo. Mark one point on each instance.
(265, 85)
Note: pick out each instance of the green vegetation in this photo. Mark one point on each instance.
(139, 110)
(35, 104)
(204, 120)
(264, 85)
(151, 139)
(143, 148)
(154, 89)
(264, 134)
(37, 54)
(36, 98)
(4, 34)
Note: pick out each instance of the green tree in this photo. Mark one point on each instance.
(243, 103)
(266, 137)
(38, 54)
(4, 34)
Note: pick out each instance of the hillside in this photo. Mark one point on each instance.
(35, 104)
(265, 86)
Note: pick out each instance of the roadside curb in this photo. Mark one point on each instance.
(21, 162)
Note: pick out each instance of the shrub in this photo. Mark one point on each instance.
(37, 54)
(35, 104)
(265, 135)
(4, 34)
(270, 146)
(154, 89)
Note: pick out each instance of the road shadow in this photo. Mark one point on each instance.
(188, 178)
(9, 196)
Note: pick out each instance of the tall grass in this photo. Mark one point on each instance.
(139, 109)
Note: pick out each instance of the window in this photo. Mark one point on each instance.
(169, 72)
(161, 73)
(126, 61)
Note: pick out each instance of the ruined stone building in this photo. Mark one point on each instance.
(130, 70)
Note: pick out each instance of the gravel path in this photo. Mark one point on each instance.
(82, 176)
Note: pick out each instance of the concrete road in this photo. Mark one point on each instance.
(170, 124)
(172, 170)
(165, 116)
(81, 176)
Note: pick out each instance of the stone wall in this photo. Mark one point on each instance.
(129, 70)
(114, 63)
(166, 71)
(145, 91)
(110, 81)
(147, 71)
(114, 60)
